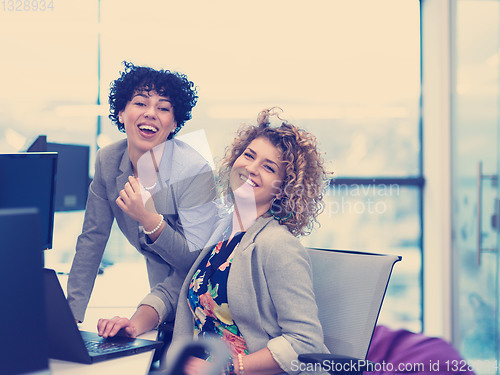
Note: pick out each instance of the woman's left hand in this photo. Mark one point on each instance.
(135, 201)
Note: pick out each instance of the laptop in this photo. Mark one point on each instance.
(67, 342)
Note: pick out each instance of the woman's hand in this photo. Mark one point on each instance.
(144, 319)
(135, 201)
(116, 326)
(196, 366)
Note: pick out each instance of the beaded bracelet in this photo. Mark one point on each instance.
(240, 362)
(157, 227)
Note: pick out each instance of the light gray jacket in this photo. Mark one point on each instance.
(186, 201)
(270, 295)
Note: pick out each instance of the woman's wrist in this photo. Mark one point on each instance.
(144, 319)
(239, 365)
(151, 222)
(149, 229)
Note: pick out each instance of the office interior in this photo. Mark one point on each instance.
(403, 96)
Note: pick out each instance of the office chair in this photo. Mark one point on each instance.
(216, 347)
(349, 289)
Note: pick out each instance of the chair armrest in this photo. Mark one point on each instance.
(337, 364)
(165, 332)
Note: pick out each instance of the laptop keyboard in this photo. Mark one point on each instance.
(102, 347)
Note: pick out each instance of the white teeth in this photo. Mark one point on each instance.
(247, 180)
(148, 127)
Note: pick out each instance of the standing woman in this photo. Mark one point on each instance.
(253, 289)
(158, 189)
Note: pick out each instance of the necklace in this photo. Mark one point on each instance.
(156, 169)
(150, 187)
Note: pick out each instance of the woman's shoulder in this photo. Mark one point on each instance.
(274, 235)
(115, 148)
(184, 154)
(279, 250)
(187, 163)
(110, 157)
(273, 228)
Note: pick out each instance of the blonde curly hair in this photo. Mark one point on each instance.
(299, 202)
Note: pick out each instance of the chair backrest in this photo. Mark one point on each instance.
(349, 288)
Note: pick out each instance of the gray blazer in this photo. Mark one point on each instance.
(185, 198)
(270, 295)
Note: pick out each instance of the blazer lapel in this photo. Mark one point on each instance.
(131, 225)
(249, 237)
(166, 163)
(220, 228)
(164, 197)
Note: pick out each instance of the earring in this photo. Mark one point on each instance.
(273, 213)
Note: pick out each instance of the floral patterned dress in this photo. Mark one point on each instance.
(207, 297)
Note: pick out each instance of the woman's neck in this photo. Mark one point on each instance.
(244, 215)
(146, 159)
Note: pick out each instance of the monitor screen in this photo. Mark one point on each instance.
(72, 183)
(72, 172)
(23, 347)
(28, 180)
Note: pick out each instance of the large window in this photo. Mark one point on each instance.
(475, 194)
(348, 71)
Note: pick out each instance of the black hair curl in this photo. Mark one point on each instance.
(176, 86)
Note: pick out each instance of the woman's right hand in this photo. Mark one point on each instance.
(116, 326)
(196, 366)
(135, 201)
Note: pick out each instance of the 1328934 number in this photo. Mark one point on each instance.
(27, 5)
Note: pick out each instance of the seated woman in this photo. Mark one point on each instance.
(253, 289)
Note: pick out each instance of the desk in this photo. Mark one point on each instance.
(131, 365)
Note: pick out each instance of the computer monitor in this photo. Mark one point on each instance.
(72, 183)
(23, 344)
(72, 172)
(28, 180)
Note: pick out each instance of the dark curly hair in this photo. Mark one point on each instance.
(301, 193)
(176, 86)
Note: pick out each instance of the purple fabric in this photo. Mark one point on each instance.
(405, 352)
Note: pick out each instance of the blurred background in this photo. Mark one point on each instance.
(403, 96)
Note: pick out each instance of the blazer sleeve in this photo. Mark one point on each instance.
(289, 279)
(164, 296)
(90, 245)
(194, 199)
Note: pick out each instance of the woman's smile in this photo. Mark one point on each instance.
(148, 119)
(148, 129)
(247, 180)
(257, 174)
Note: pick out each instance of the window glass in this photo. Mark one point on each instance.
(348, 71)
(475, 193)
(48, 73)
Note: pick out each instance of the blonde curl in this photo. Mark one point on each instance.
(300, 200)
